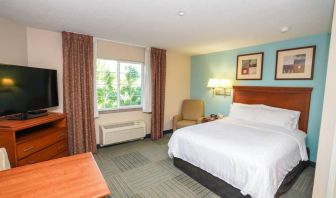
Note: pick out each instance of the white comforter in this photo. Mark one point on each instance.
(254, 158)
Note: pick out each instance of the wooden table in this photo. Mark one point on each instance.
(76, 176)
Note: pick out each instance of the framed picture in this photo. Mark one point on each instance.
(249, 66)
(295, 63)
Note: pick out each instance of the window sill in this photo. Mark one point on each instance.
(119, 110)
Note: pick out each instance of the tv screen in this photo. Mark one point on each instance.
(24, 89)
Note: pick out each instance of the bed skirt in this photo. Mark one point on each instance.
(225, 190)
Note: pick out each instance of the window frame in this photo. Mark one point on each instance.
(120, 108)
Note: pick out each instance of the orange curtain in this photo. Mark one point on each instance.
(158, 67)
(78, 91)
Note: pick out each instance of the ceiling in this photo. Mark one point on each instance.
(207, 26)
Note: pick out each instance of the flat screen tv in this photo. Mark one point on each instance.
(26, 89)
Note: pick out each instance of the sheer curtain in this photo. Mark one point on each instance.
(147, 84)
(95, 100)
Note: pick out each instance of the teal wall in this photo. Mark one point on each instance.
(223, 65)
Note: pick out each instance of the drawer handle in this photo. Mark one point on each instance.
(28, 149)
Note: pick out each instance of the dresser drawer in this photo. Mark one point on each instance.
(40, 142)
(63, 154)
(46, 154)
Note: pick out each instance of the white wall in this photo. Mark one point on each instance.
(20, 45)
(331, 188)
(177, 82)
(13, 43)
(177, 85)
(44, 49)
(328, 123)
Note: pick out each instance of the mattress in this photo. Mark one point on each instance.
(254, 158)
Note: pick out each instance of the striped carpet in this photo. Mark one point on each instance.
(142, 169)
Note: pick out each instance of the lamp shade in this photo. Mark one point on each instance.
(219, 83)
(213, 83)
(225, 83)
(7, 82)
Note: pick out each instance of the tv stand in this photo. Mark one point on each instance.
(35, 140)
(28, 115)
(40, 111)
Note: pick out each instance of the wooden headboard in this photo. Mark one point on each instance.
(294, 98)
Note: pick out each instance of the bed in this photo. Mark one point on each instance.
(242, 158)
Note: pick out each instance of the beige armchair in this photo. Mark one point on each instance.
(192, 113)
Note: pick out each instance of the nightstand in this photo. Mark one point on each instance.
(209, 119)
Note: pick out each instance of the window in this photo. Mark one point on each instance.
(118, 84)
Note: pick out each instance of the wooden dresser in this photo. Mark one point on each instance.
(35, 140)
(76, 176)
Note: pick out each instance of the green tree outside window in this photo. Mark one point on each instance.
(107, 84)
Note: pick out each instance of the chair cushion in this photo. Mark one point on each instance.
(184, 123)
(192, 109)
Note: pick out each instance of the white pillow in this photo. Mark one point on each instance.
(247, 105)
(261, 113)
(294, 114)
(243, 112)
(279, 117)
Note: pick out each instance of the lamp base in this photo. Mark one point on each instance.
(223, 92)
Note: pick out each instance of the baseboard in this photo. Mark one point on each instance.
(167, 131)
(312, 164)
(124, 142)
(164, 133)
(147, 136)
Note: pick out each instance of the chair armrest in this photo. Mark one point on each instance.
(176, 118)
(200, 120)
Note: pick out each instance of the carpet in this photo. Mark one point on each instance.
(143, 169)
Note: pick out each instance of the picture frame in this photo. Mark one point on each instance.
(295, 63)
(250, 66)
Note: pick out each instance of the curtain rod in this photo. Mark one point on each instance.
(103, 39)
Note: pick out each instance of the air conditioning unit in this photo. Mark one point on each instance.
(111, 133)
